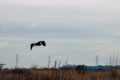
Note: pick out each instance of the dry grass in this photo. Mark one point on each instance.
(39, 74)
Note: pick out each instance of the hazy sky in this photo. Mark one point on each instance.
(74, 29)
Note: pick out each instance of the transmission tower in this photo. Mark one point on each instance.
(96, 60)
(16, 65)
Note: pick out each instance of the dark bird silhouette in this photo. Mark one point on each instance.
(43, 43)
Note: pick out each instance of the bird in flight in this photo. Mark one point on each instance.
(39, 43)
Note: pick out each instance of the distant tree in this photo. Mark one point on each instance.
(80, 69)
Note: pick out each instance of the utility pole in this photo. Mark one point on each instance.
(49, 61)
(55, 65)
(16, 66)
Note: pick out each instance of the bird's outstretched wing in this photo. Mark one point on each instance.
(37, 44)
(31, 46)
(43, 43)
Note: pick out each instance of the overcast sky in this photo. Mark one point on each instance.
(74, 29)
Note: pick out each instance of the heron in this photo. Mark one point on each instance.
(39, 43)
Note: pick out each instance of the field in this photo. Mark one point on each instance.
(53, 74)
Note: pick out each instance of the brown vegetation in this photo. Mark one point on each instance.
(45, 74)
